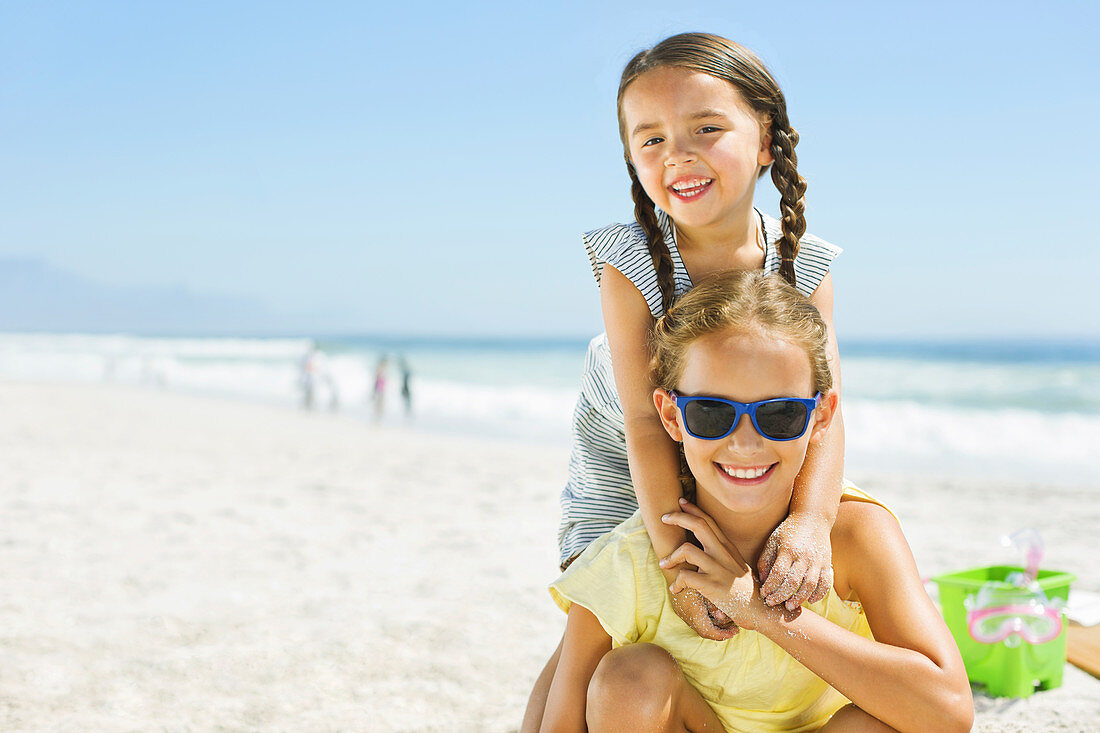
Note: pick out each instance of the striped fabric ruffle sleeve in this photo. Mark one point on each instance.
(815, 257)
(624, 247)
(605, 580)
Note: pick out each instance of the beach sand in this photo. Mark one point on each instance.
(178, 562)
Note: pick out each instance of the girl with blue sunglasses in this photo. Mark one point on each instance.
(744, 388)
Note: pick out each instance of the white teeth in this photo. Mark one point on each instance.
(745, 472)
(684, 186)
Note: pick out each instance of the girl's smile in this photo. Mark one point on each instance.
(742, 476)
(689, 188)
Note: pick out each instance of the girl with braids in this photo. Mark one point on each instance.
(743, 384)
(701, 119)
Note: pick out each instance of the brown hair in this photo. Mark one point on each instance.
(731, 62)
(741, 300)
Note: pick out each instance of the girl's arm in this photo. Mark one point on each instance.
(909, 676)
(653, 456)
(796, 564)
(583, 646)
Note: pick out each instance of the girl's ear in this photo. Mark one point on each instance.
(764, 156)
(670, 414)
(823, 415)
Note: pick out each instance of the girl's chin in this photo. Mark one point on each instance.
(687, 217)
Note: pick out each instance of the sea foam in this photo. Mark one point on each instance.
(1030, 418)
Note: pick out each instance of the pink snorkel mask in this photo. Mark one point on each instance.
(1010, 620)
(1017, 608)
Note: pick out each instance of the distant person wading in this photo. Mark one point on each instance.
(406, 386)
(378, 396)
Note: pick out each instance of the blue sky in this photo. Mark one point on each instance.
(427, 168)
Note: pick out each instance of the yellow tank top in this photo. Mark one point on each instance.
(749, 681)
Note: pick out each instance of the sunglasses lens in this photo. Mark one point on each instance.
(708, 418)
(782, 419)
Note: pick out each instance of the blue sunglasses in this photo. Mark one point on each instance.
(712, 418)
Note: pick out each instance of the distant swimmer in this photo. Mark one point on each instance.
(378, 396)
(308, 369)
(406, 387)
(315, 377)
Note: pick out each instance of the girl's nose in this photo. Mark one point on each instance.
(678, 154)
(679, 157)
(744, 435)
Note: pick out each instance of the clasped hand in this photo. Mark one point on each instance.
(716, 570)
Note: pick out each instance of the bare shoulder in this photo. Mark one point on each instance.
(614, 284)
(823, 293)
(864, 534)
(626, 317)
(857, 519)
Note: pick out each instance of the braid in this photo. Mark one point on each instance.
(687, 478)
(646, 215)
(792, 191)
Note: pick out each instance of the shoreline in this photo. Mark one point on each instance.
(872, 468)
(208, 562)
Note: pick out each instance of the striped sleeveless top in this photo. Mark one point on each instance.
(598, 493)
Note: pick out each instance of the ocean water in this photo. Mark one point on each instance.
(1022, 410)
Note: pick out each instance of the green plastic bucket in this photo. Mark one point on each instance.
(1006, 671)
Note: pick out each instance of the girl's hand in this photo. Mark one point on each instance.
(704, 618)
(716, 570)
(797, 562)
